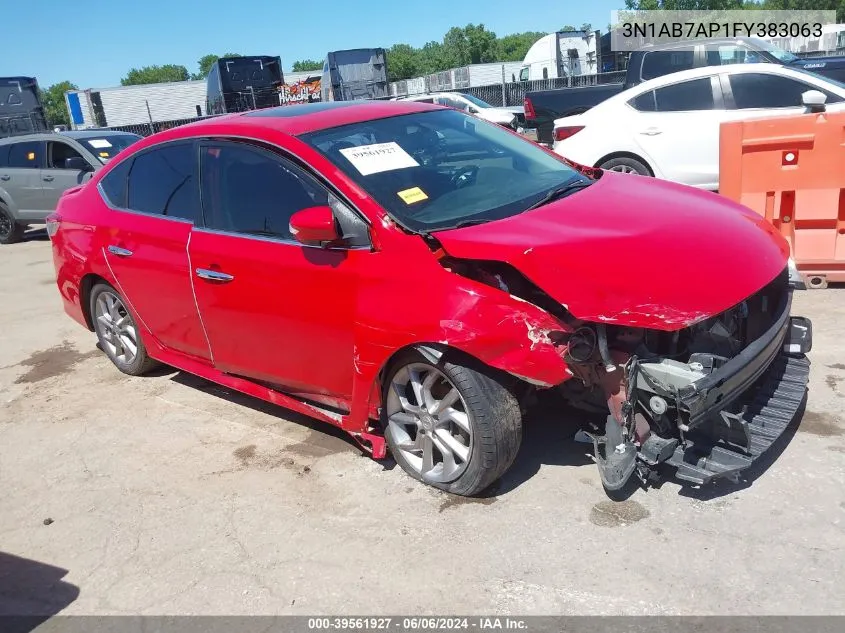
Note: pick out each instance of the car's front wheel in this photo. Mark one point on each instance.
(117, 332)
(450, 425)
(626, 165)
(10, 230)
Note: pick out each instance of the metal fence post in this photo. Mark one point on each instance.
(149, 114)
(504, 90)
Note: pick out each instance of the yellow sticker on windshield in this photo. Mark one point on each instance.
(104, 154)
(412, 195)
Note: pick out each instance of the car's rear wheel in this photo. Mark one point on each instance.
(626, 166)
(449, 425)
(117, 332)
(10, 230)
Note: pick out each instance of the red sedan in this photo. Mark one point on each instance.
(413, 275)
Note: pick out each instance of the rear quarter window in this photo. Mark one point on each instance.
(644, 102)
(113, 185)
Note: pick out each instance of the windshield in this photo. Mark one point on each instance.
(439, 169)
(108, 146)
(784, 56)
(476, 100)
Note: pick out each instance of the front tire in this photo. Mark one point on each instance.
(10, 230)
(117, 332)
(626, 166)
(449, 425)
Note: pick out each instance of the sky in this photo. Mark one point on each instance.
(94, 43)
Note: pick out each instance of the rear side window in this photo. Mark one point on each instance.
(759, 90)
(29, 155)
(4, 156)
(114, 184)
(659, 63)
(163, 182)
(696, 94)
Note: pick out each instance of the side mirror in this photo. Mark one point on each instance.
(77, 163)
(314, 226)
(814, 100)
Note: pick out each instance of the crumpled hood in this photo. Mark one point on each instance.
(634, 251)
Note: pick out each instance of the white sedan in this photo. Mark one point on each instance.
(508, 116)
(669, 127)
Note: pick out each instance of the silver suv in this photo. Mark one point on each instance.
(35, 169)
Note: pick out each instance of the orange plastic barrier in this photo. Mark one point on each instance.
(791, 170)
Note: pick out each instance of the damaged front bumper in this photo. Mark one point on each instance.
(728, 414)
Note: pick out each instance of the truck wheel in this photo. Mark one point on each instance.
(10, 230)
(626, 166)
(448, 425)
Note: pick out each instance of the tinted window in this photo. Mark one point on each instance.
(58, 153)
(659, 63)
(248, 190)
(114, 184)
(162, 181)
(4, 155)
(757, 90)
(643, 103)
(26, 155)
(687, 95)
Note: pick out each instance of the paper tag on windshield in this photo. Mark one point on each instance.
(373, 159)
(412, 195)
(99, 143)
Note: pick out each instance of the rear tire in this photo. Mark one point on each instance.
(626, 165)
(10, 230)
(117, 331)
(451, 426)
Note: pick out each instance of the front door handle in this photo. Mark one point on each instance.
(47, 178)
(5, 177)
(120, 252)
(213, 275)
(652, 131)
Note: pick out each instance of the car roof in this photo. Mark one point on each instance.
(299, 119)
(73, 134)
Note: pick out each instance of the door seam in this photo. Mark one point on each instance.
(194, 293)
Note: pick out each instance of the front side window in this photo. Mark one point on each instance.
(696, 94)
(58, 153)
(441, 169)
(27, 155)
(759, 90)
(252, 191)
(162, 181)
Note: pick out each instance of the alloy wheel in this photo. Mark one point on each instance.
(625, 169)
(116, 328)
(428, 421)
(6, 225)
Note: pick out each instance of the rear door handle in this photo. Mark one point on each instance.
(47, 178)
(652, 131)
(213, 275)
(5, 177)
(120, 252)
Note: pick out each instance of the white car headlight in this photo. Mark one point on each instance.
(796, 281)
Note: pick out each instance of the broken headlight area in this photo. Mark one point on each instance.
(707, 400)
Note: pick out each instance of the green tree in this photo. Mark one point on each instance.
(805, 5)
(155, 74)
(304, 65)
(403, 62)
(568, 27)
(53, 98)
(512, 48)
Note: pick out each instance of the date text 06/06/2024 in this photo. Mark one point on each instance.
(415, 623)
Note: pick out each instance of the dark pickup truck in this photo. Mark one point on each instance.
(542, 107)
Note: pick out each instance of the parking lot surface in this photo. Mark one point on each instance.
(168, 495)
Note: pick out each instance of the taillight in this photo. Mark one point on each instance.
(529, 109)
(563, 133)
(53, 221)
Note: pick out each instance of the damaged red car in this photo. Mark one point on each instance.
(413, 275)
